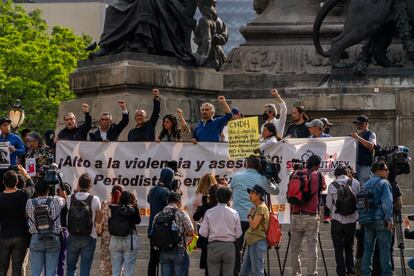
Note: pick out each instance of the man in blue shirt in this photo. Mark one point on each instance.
(240, 182)
(381, 229)
(209, 129)
(16, 146)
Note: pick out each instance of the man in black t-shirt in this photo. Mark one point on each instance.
(14, 238)
(298, 129)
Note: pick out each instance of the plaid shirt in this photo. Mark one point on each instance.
(183, 221)
(55, 206)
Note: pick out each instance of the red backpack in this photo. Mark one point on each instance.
(274, 231)
(299, 188)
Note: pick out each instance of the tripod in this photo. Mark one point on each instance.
(400, 240)
(282, 271)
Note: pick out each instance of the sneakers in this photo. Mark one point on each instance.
(327, 219)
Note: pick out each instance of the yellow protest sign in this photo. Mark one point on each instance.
(243, 137)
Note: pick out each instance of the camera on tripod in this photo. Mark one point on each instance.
(269, 169)
(52, 176)
(396, 158)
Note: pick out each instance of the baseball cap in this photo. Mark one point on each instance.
(325, 122)
(4, 120)
(235, 110)
(315, 123)
(258, 190)
(361, 119)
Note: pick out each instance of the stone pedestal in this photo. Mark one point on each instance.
(132, 76)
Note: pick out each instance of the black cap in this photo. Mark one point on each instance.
(361, 119)
(258, 190)
(4, 120)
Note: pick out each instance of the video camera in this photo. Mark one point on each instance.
(396, 158)
(268, 168)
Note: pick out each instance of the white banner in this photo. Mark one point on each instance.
(137, 165)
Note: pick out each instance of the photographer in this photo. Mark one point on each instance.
(409, 234)
(124, 240)
(14, 236)
(43, 215)
(241, 181)
(158, 199)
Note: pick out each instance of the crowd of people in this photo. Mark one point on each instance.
(59, 226)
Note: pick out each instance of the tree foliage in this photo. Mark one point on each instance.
(35, 64)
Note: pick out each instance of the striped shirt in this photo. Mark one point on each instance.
(332, 196)
(55, 206)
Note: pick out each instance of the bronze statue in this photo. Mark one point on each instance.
(375, 21)
(161, 27)
(210, 35)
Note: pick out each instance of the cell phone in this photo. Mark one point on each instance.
(411, 217)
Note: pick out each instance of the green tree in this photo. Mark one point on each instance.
(35, 64)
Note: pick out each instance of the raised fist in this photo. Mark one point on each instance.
(221, 99)
(274, 92)
(122, 104)
(156, 92)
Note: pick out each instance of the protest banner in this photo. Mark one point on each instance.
(4, 155)
(243, 137)
(137, 165)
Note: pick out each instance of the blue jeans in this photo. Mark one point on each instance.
(254, 259)
(83, 246)
(174, 262)
(410, 263)
(44, 255)
(363, 173)
(377, 232)
(122, 255)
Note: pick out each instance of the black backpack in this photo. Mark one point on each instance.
(165, 233)
(80, 221)
(346, 202)
(119, 224)
(42, 219)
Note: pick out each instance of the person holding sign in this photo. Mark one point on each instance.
(16, 146)
(108, 130)
(38, 154)
(270, 113)
(209, 129)
(145, 128)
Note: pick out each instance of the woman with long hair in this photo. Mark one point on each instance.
(124, 243)
(206, 181)
(269, 137)
(102, 229)
(171, 131)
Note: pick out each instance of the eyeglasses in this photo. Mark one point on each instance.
(205, 109)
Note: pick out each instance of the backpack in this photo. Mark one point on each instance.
(346, 200)
(80, 216)
(299, 187)
(367, 204)
(119, 224)
(42, 219)
(165, 233)
(274, 230)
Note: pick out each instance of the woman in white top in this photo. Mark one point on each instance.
(269, 137)
(206, 181)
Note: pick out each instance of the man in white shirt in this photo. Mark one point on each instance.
(343, 225)
(84, 213)
(270, 113)
(221, 225)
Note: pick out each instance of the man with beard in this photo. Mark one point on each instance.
(145, 128)
(298, 129)
(209, 129)
(73, 131)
